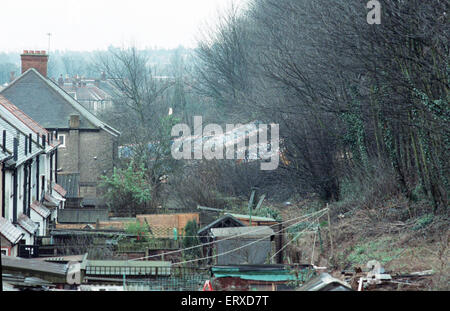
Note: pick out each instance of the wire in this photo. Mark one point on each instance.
(230, 237)
(235, 249)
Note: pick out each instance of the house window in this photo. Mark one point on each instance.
(62, 140)
(5, 252)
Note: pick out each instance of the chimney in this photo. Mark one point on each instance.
(74, 121)
(34, 59)
(61, 81)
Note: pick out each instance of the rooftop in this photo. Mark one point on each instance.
(33, 90)
(9, 231)
(40, 209)
(26, 223)
(242, 232)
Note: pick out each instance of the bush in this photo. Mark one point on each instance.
(127, 190)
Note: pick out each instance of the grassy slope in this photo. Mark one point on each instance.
(402, 236)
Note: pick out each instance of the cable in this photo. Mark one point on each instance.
(235, 249)
(230, 237)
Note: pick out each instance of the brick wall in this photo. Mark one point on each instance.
(35, 59)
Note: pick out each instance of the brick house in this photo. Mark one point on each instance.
(88, 147)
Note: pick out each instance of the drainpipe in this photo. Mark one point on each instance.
(3, 191)
(29, 188)
(37, 177)
(56, 159)
(4, 176)
(16, 145)
(25, 190)
(51, 172)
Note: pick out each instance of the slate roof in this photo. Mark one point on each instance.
(40, 209)
(25, 123)
(71, 183)
(33, 125)
(9, 231)
(87, 93)
(45, 102)
(26, 223)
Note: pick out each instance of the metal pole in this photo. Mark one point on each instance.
(49, 35)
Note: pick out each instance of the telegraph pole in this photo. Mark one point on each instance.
(49, 35)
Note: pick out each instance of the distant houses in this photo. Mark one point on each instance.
(88, 147)
(96, 95)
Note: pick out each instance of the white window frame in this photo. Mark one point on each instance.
(63, 145)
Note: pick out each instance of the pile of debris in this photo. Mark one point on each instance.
(374, 277)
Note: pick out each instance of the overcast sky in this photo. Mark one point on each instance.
(96, 24)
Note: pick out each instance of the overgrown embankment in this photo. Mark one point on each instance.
(403, 236)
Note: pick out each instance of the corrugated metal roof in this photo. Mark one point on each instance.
(18, 263)
(270, 273)
(121, 267)
(21, 281)
(242, 232)
(128, 263)
(40, 209)
(254, 218)
(68, 258)
(26, 223)
(9, 231)
(71, 183)
(325, 282)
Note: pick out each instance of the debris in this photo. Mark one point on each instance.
(325, 282)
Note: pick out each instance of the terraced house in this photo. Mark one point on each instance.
(88, 146)
(30, 196)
